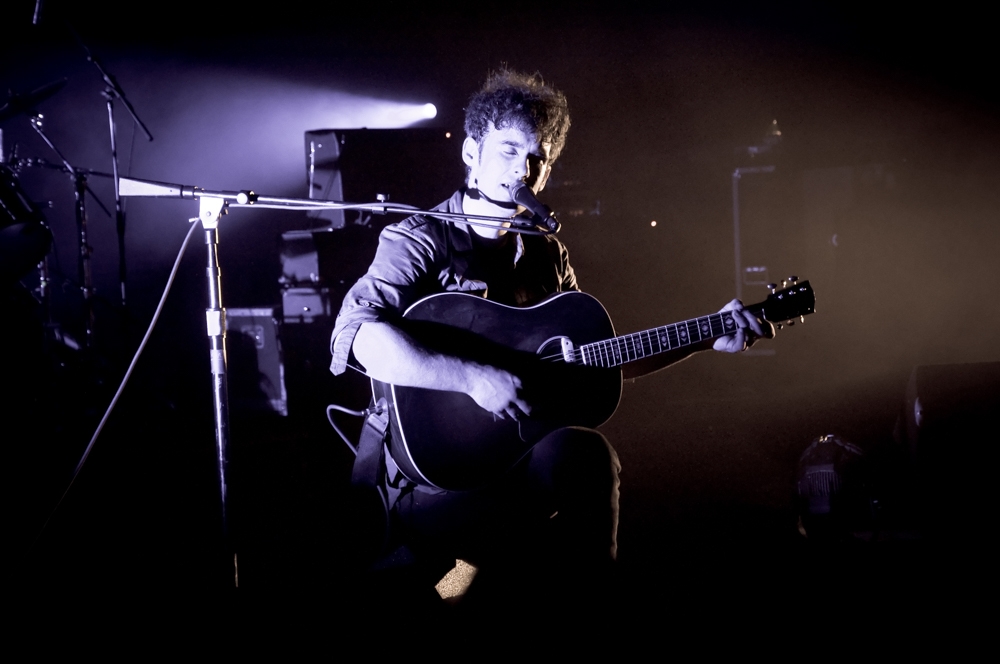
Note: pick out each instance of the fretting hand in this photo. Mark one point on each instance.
(750, 329)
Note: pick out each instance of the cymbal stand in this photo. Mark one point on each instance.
(119, 211)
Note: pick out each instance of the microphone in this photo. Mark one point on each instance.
(521, 194)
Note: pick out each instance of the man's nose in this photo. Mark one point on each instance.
(521, 168)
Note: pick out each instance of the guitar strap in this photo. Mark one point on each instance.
(369, 466)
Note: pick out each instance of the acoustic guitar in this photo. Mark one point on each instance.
(566, 353)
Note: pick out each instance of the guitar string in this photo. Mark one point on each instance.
(637, 341)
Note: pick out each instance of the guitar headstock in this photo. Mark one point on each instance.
(788, 304)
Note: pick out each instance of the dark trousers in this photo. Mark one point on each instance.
(560, 501)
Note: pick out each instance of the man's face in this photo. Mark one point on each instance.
(505, 156)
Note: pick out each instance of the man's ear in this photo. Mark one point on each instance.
(470, 152)
(542, 179)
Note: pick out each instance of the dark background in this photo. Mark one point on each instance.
(884, 196)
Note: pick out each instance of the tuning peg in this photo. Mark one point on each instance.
(790, 323)
(772, 287)
(792, 280)
(780, 326)
(802, 319)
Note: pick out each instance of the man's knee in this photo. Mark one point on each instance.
(582, 452)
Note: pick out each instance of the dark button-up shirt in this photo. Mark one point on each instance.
(424, 255)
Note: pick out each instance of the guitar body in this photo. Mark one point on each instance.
(445, 439)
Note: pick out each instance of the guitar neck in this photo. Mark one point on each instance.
(638, 345)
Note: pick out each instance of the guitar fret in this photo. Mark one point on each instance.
(662, 339)
(646, 344)
(605, 348)
(631, 351)
(692, 330)
(672, 335)
(715, 321)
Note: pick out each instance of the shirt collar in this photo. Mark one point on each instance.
(462, 233)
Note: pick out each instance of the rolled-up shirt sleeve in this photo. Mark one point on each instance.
(393, 282)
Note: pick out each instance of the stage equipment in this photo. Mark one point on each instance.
(360, 164)
(25, 238)
(833, 490)
(18, 104)
(950, 410)
(758, 221)
(753, 275)
(258, 357)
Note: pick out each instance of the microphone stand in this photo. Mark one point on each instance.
(212, 206)
(113, 91)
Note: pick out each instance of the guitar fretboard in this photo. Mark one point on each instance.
(627, 348)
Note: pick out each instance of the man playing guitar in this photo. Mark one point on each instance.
(561, 499)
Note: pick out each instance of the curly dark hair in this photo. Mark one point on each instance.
(512, 99)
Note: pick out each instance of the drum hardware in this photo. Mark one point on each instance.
(18, 104)
(25, 238)
(81, 188)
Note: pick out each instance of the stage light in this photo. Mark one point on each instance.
(391, 114)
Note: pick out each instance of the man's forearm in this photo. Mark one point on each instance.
(390, 355)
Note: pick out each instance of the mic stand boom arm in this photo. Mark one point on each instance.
(247, 198)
